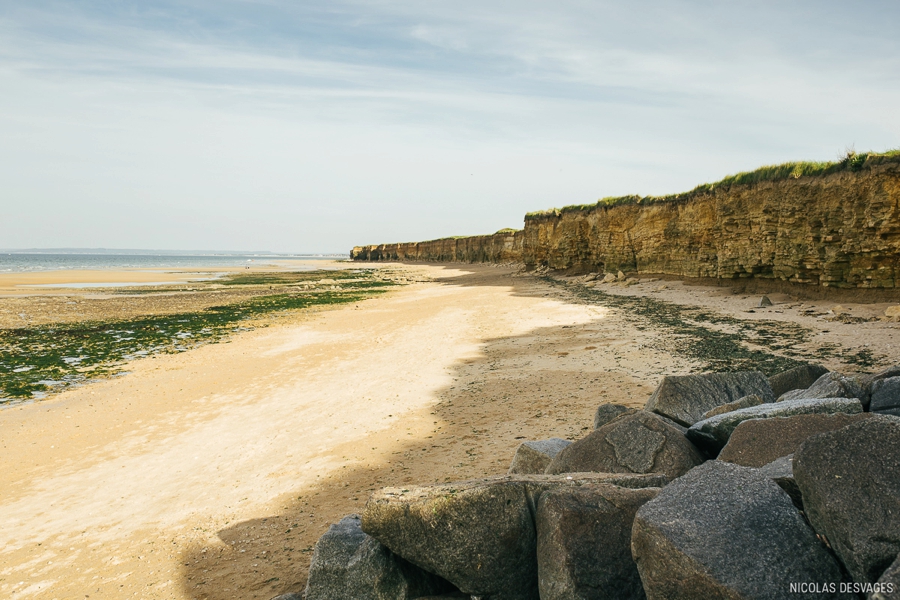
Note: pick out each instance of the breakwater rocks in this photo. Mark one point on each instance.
(790, 495)
(840, 229)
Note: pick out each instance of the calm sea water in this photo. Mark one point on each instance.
(18, 262)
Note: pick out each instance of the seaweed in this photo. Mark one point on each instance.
(36, 361)
(718, 342)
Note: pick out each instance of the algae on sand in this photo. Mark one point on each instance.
(36, 361)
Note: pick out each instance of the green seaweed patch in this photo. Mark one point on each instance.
(721, 343)
(37, 361)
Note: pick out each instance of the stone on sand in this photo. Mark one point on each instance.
(711, 435)
(850, 480)
(798, 378)
(633, 443)
(686, 398)
(533, 457)
(584, 543)
(347, 563)
(726, 531)
(479, 535)
(757, 442)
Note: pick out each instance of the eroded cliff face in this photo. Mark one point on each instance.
(501, 247)
(839, 230)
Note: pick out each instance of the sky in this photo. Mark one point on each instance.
(313, 126)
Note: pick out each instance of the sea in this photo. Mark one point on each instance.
(25, 262)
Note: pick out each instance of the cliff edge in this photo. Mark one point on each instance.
(824, 224)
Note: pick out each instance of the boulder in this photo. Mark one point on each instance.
(479, 535)
(729, 532)
(347, 563)
(533, 457)
(584, 543)
(781, 471)
(712, 434)
(745, 402)
(831, 385)
(685, 398)
(757, 442)
(850, 480)
(607, 412)
(798, 378)
(764, 302)
(885, 396)
(633, 443)
(888, 585)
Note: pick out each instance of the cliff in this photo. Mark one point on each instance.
(501, 247)
(838, 227)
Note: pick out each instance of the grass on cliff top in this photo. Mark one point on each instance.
(36, 361)
(852, 161)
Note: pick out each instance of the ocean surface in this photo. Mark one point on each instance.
(24, 262)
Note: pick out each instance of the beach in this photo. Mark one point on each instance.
(212, 472)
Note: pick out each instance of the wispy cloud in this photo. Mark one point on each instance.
(337, 100)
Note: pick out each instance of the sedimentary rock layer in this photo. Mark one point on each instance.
(838, 230)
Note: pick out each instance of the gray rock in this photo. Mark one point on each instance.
(347, 563)
(291, 596)
(850, 480)
(833, 385)
(757, 442)
(745, 402)
(888, 585)
(798, 378)
(781, 471)
(584, 543)
(725, 531)
(479, 535)
(764, 302)
(885, 396)
(712, 434)
(792, 395)
(607, 412)
(634, 443)
(533, 457)
(686, 398)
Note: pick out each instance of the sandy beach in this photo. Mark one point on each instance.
(211, 473)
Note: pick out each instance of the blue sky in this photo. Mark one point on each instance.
(313, 126)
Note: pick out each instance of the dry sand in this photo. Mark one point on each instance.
(210, 474)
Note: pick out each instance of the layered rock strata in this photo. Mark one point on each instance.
(839, 230)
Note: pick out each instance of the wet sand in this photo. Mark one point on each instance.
(210, 474)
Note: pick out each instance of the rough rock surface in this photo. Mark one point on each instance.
(607, 412)
(757, 442)
(798, 378)
(479, 535)
(686, 398)
(745, 402)
(850, 480)
(888, 583)
(831, 385)
(885, 396)
(633, 443)
(347, 563)
(533, 457)
(781, 471)
(584, 543)
(725, 531)
(712, 434)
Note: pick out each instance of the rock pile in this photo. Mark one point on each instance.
(726, 485)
